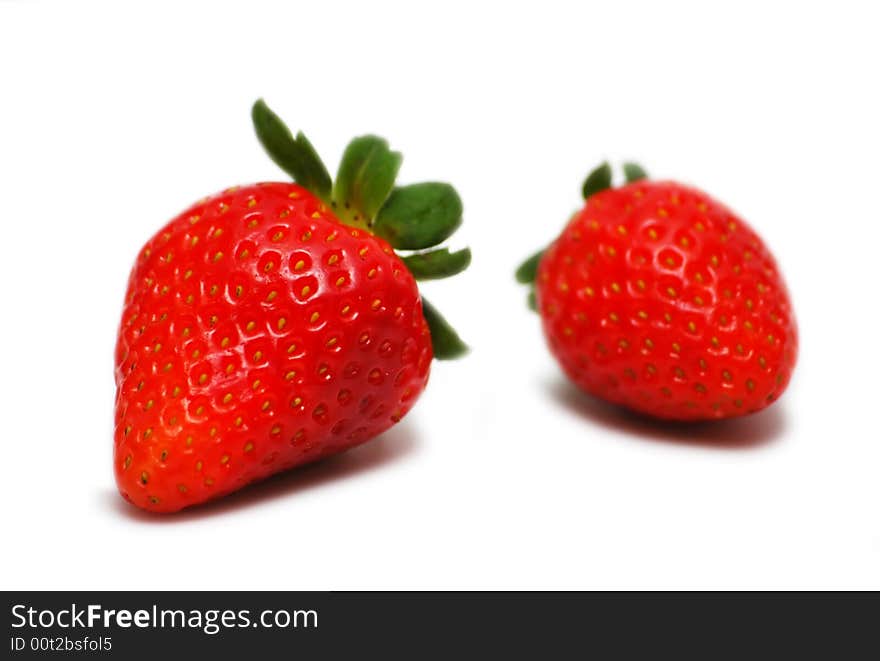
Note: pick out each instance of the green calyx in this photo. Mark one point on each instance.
(440, 263)
(417, 217)
(446, 343)
(597, 181)
(634, 172)
(528, 270)
(365, 179)
(600, 179)
(527, 273)
(295, 156)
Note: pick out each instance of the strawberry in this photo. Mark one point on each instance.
(274, 324)
(660, 299)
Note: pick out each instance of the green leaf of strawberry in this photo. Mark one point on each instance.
(295, 156)
(527, 271)
(438, 263)
(365, 178)
(446, 342)
(634, 172)
(597, 181)
(526, 274)
(419, 216)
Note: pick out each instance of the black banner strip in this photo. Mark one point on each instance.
(269, 625)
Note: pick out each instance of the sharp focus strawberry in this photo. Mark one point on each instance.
(660, 299)
(272, 325)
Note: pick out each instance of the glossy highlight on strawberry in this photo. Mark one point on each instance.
(259, 333)
(660, 299)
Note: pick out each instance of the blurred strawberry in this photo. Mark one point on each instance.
(660, 299)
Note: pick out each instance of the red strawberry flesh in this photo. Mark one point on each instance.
(259, 333)
(658, 298)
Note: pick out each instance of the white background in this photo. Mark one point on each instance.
(113, 119)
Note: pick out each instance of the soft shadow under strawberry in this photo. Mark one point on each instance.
(745, 433)
(394, 444)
